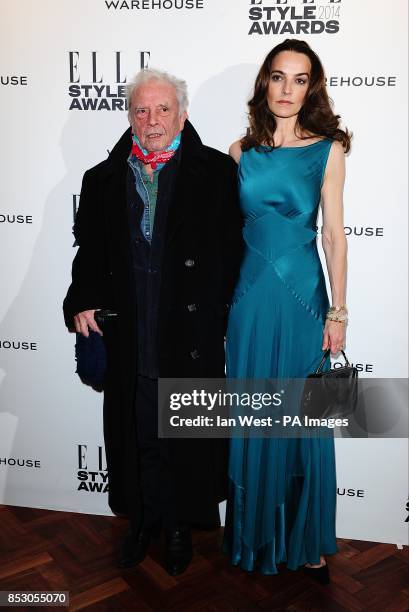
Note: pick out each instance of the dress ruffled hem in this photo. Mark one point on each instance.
(286, 546)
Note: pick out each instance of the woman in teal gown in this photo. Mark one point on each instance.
(282, 491)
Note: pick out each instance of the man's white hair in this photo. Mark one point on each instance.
(150, 74)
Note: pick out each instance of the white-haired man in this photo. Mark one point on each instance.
(159, 235)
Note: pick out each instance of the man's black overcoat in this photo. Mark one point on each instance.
(201, 258)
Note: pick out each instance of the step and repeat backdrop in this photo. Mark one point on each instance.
(63, 72)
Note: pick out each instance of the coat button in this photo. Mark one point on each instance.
(191, 307)
(195, 354)
(189, 263)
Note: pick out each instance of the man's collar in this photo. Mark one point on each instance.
(135, 163)
(191, 143)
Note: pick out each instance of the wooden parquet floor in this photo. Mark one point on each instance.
(52, 551)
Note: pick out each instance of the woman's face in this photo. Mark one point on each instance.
(289, 80)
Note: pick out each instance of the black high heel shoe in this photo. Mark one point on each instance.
(320, 574)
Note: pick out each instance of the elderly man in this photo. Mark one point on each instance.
(159, 235)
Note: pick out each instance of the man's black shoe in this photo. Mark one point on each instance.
(134, 548)
(178, 552)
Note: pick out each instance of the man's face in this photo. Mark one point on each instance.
(154, 115)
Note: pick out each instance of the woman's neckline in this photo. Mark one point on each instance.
(300, 147)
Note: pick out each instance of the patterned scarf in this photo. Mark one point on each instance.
(156, 159)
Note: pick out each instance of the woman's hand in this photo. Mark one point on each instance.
(334, 336)
(334, 243)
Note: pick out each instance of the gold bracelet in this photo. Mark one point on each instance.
(338, 308)
(339, 314)
(340, 319)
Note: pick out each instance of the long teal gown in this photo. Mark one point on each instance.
(282, 491)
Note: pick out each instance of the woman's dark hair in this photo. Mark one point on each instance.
(316, 115)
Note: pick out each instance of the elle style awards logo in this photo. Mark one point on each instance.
(294, 17)
(92, 472)
(97, 81)
(153, 5)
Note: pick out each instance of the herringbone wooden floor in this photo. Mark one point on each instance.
(45, 550)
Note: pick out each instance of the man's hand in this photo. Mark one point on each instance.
(84, 320)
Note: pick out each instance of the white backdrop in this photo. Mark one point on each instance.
(51, 439)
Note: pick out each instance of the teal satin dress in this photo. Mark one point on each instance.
(282, 492)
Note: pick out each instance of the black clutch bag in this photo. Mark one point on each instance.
(91, 354)
(91, 358)
(331, 394)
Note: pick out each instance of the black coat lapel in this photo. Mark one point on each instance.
(191, 183)
(191, 187)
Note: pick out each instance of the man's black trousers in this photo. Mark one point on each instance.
(157, 495)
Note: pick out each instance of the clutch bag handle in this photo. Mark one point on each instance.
(325, 356)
